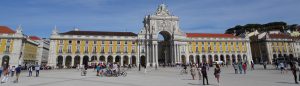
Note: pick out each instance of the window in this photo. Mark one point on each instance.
(70, 42)
(94, 49)
(7, 48)
(202, 43)
(60, 49)
(143, 49)
(118, 49)
(86, 42)
(110, 42)
(69, 49)
(110, 49)
(118, 42)
(102, 42)
(102, 49)
(77, 49)
(197, 49)
(133, 42)
(61, 41)
(125, 49)
(95, 42)
(86, 48)
(78, 42)
(133, 49)
(125, 42)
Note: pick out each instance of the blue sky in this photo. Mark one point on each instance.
(38, 17)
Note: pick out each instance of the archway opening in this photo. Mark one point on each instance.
(198, 59)
(109, 59)
(191, 59)
(204, 59)
(216, 58)
(85, 60)
(117, 59)
(143, 61)
(245, 58)
(210, 60)
(133, 60)
(222, 58)
(164, 47)
(228, 61)
(5, 61)
(59, 61)
(183, 59)
(233, 59)
(68, 61)
(125, 60)
(76, 61)
(94, 58)
(239, 57)
(102, 58)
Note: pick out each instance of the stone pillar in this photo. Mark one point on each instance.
(156, 54)
(153, 55)
(122, 62)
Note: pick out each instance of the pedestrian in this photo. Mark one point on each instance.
(193, 71)
(281, 65)
(1, 70)
(199, 71)
(204, 74)
(294, 71)
(235, 66)
(240, 65)
(30, 69)
(252, 65)
(37, 70)
(245, 67)
(265, 64)
(12, 71)
(5, 72)
(217, 73)
(98, 69)
(18, 71)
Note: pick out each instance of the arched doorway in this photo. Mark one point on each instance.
(76, 61)
(125, 60)
(197, 59)
(183, 59)
(203, 59)
(228, 61)
(233, 59)
(68, 61)
(94, 58)
(102, 58)
(191, 58)
(5, 59)
(164, 47)
(222, 58)
(109, 59)
(210, 60)
(143, 60)
(291, 57)
(85, 60)
(117, 59)
(59, 61)
(239, 58)
(133, 60)
(216, 58)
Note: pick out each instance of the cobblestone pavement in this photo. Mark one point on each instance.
(160, 77)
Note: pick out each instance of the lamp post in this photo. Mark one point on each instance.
(139, 55)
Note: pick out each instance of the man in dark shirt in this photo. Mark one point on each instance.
(294, 70)
(18, 71)
(204, 74)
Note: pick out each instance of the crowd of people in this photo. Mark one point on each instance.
(7, 72)
(201, 70)
(102, 69)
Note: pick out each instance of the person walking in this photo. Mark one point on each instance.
(30, 69)
(18, 71)
(235, 66)
(204, 74)
(252, 65)
(294, 71)
(37, 70)
(240, 65)
(193, 71)
(217, 73)
(265, 64)
(5, 72)
(245, 67)
(12, 71)
(199, 71)
(281, 65)
(98, 69)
